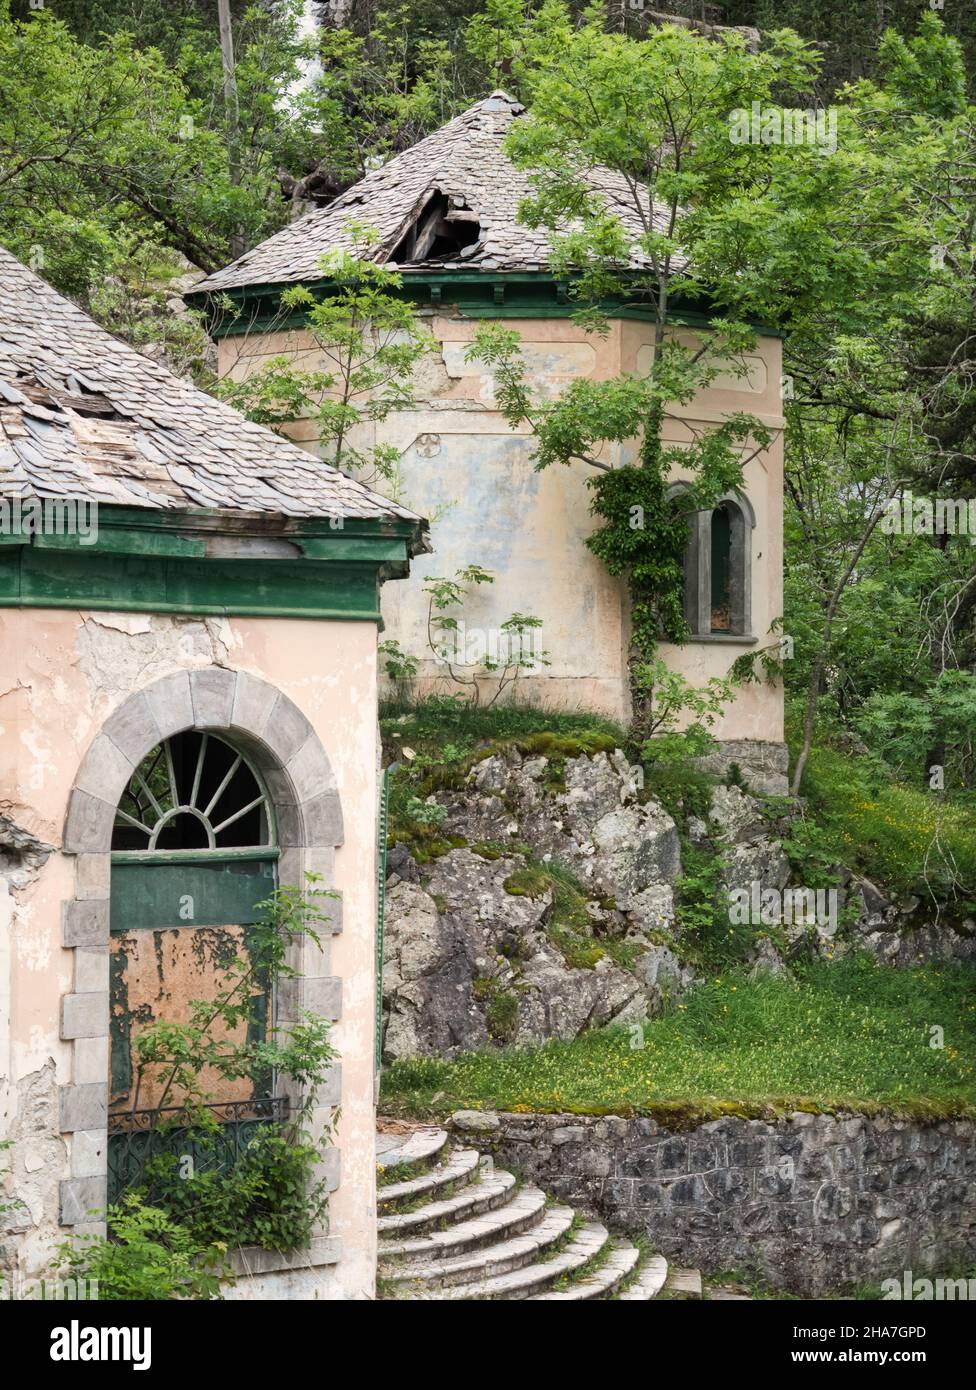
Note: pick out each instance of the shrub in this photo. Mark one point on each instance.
(152, 1256)
(267, 1198)
(908, 840)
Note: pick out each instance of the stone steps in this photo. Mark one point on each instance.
(420, 1148)
(605, 1279)
(490, 1191)
(683, 1283)
(494, 1240)
(585, 1246)
(649, 1282)
(499, 1258)
(461, 1168)
(516, 1216)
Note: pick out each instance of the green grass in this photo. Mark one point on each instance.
(848, 1035)
(905, 839)
(438, 720)
(398, 1172)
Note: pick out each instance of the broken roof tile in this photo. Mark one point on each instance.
(90, 417)
(464, 162)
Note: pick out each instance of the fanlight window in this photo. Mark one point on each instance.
(192, 792)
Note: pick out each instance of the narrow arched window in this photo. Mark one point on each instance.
(718, 583)
(721, 569)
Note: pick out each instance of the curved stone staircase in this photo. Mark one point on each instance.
(452, 1226)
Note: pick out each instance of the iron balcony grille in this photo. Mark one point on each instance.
(135, 1137)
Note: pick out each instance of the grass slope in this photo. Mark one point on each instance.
(849, 1035)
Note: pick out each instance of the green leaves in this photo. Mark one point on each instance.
(904, 728)
(670, 699)
(267, 1197)
(97, 143)
(469, 655)
(368, 342)
(152, 1256)
(217, 1036)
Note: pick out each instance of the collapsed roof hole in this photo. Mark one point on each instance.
(441, 230)
(79, 398)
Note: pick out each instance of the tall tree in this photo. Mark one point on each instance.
(656, 113)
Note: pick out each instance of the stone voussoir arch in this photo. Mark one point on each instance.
(269, 728)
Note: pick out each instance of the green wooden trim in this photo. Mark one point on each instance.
(38, 577)
(193, 856)
(486, 295)
(145, 560)
(191, 532)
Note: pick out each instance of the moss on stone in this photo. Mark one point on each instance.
(551, 745)
(529, 882)
(579, 953)
(425, 849)
(501, 1015)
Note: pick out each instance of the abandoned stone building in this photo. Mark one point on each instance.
(445, 213)
(188, 715)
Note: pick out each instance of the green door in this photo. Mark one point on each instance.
(193, 857)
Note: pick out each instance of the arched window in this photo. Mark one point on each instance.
(192, 792)
(718, 581)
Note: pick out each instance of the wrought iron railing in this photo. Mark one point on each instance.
(135, 1137)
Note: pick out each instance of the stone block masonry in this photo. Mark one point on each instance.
(811, 1203)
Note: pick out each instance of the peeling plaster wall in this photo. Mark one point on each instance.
(472, 476)
(64, 673)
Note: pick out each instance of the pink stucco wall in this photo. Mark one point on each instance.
(473, 477)
(63, 673)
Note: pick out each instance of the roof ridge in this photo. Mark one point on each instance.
(464, 159)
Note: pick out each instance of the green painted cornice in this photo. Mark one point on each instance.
(475, 294)
(209, 561)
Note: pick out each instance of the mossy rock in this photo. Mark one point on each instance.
(424, 848)
(553, 745)
(528, 883)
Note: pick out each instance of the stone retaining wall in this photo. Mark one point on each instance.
(811, 1202)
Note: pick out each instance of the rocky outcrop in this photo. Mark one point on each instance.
(761, 766)
(585, 812)
(751, 853)
(481, 948)
(477, 951)
(902, 933)
(467, 961)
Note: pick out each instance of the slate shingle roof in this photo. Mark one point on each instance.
(462, 160)
(85, 416)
